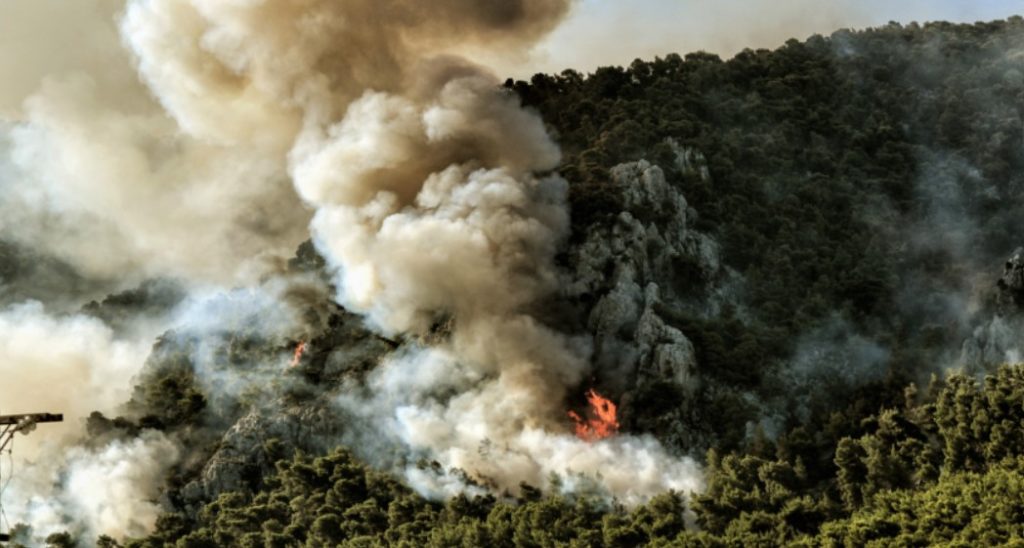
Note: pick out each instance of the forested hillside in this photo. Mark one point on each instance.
(799, 269)
(947, 471)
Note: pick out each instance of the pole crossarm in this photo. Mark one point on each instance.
(12, 424)
(34, 417)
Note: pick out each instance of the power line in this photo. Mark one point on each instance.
(9, 426)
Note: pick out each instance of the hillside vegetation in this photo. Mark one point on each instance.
(865, 190)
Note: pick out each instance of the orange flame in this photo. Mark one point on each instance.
(602, 422)
(298, 353)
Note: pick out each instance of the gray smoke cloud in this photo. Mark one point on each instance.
(438, 408)
(966, 217)
(829, 361)
(431, 204)
(204, 141)
(69, 364)
(76, 364)
(272, 314)
(96, 174)
(114, 489)
(61, 479)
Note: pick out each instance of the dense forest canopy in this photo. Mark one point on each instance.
(864, 191)
(947, 471)
(870, 176)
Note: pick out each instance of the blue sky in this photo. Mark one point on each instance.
(602, 32)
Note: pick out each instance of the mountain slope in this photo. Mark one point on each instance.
(769, 253)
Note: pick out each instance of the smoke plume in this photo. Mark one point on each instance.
(113, 489)
(96, 174)
(202, 141)
(434, 206)
(74, 365)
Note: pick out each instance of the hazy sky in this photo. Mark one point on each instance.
(604, 32)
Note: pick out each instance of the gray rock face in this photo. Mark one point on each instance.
(690, 160)
(1012, 281)
(994, 343)
(301, 416)
(665, 352)
(1000, 339)
(647, 258)
(246, 450)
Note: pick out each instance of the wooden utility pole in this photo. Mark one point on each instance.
(11, 425)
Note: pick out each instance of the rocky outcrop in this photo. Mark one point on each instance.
(1011, 283)
(665, 353)
(630, 266)
(649, 258)
(247, 451)
(300, 415)
(1000, 339)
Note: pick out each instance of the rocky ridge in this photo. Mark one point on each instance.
(646, 259)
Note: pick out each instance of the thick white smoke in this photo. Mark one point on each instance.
(72, 365)
(499, 431)
(111, 490)
(93, 171)
(58, 479)
(76, 365)
(431, 204)
(202, 137)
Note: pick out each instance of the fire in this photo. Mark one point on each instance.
(602, 422)
(298, 353)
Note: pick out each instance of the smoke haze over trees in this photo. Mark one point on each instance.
(388, 280)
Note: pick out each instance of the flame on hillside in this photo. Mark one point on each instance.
(299, 349)
(601, 421)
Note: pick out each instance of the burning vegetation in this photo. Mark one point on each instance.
(297, 356)
(601, 421)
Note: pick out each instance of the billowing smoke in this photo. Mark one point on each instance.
(109, 481)
(76, 365)
(434, 206)
(208, 324)
(499, 430)
(114, 489)
(204, 141)
(97, 175)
